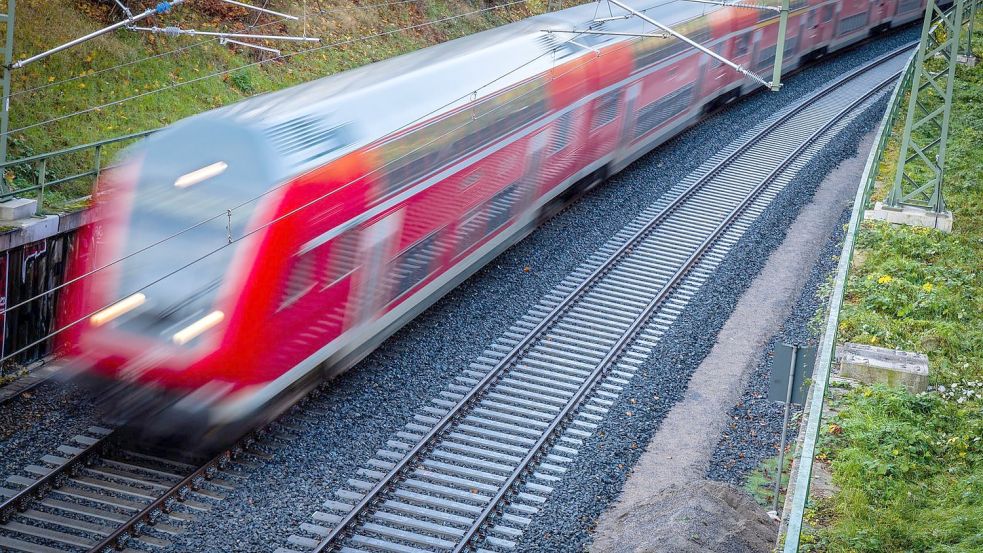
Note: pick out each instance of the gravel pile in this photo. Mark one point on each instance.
(756, 423)
(344, 427)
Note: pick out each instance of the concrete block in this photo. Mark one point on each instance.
(968, 61)
(17, 208)
(29, 230)
(911, 216)
(874, 365)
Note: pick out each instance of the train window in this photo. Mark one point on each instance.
(437, 144)
(562, 132)
(742, 45)
(605, 109)
(766, 59)
(500, 207)
(663, 109)
(791, 45)
(343, 258)
(797, 4)
(471, 229)
(650, 51)
(300, 280)
(415, 264)
(719, 50)
(908, 5)
(852, 23)
(827, 13)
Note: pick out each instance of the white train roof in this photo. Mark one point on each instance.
(383, 97)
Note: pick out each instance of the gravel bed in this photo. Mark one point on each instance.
(344, 427)
(756, 425)
(37, 422)
(372, 401)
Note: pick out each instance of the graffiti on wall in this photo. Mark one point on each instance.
(27, 275)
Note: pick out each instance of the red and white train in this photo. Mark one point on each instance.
(271, 243)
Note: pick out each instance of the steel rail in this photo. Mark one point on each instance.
(26, 496)
(429, 440)
(150, 514)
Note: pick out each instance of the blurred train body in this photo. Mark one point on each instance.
(274, 242)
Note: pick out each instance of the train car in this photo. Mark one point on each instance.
(242, 255)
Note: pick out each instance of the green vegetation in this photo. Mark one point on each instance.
(909, 468)
(760, 483)
(73, 97)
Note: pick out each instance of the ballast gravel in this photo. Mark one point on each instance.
(336, 433)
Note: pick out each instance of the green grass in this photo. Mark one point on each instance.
(760, 484)
(157, 92)
(910, 467)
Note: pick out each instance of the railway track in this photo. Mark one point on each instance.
(97, 494)
(473, 468)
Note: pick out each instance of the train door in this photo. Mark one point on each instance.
(821, 31)
(531, 182)
(716, 75)
(881, 13)
(379, 241)
(631, 104)
(740, 49)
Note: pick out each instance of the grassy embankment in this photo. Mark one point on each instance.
(167, 88)
(909, 468)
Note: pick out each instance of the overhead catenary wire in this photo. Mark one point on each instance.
(261, 62)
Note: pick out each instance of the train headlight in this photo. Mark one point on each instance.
(117, 309)
(202, 174)
(196, 328)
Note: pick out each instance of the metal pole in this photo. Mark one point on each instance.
(781, 444)
(937, 203)
(920, 167)
(692, 43)
(8, 58)
(776, 75)
(174, 31)
(969, 33)
(42, 178)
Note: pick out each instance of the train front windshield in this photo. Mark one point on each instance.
(177, 251)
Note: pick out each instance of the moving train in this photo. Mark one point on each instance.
(242, 255)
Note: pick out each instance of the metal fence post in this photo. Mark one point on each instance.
(42, 177)
(8, 59)
(98, 162)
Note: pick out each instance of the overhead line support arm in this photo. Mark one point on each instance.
(736, 67)
(160, 8)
